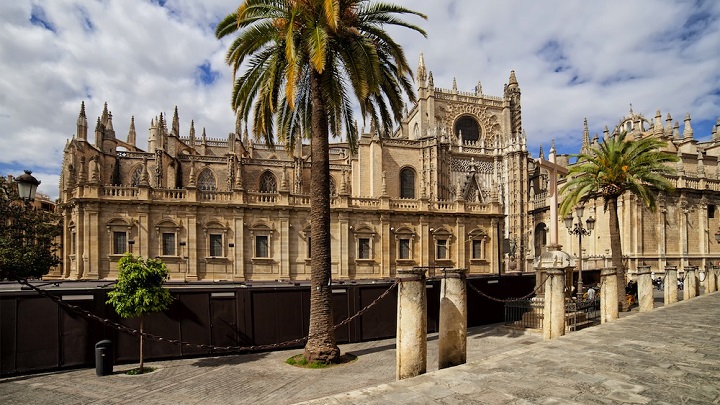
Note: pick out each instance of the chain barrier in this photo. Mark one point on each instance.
(135, 332)
(505, 301)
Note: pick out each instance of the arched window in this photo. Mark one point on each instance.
(206, 181)
(268, 184)
(407, 183)
(136, 176)
(469, 128)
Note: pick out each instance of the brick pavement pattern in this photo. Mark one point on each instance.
(669, 355)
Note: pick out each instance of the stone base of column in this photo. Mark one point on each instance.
(608, 295)
(452, 341)
(411, 352)
(645, 289)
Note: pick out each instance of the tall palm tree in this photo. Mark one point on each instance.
(303, 60)
(615, 166)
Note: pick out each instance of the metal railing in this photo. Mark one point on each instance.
(528, 313)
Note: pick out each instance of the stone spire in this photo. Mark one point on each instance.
(454, 88)
(82, 124)
(606, 133)
(676, 131)
(105, 114)
(688, 131)
(658, 127)
(586, 138)
(668, 126)
(144, 176)
(431, 82)
(192, 134)
(98, 133)
(421, 71)
(132, 135)
(478, 89)
(541, 155)
(175, 123)
(513, 83)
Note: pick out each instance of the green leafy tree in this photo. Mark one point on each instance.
(28, 237)
(615, 166)
(304, 61)
(139, 290)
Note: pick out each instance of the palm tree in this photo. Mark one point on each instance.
(303, 58)
(615, 166)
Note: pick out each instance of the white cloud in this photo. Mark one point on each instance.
(143, 59)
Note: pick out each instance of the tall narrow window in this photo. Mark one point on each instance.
(309, 247)
(477, 249)
(168, 244)
(441, 253)
(363, 248)
(407, 183)
(262, 248)
(216, 245)
(404, 249)
(119, 243)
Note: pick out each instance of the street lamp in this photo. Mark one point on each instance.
(27, 186)
(578, 229)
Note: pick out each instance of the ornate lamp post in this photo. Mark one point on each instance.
(579, 230)
(27, 186)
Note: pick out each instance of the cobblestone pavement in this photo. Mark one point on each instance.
(670, 355)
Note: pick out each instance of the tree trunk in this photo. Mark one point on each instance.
(616, 249)
(141, 344)
(321, 344)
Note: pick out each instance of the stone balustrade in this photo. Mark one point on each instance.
(193, 195)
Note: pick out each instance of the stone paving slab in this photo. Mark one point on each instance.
(670, 355)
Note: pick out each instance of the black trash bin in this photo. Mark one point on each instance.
(103, 358)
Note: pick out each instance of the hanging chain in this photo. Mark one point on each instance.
(472, 287)
(135, 332)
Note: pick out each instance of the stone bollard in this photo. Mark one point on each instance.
(691, 286)
(553, 263)
(670, 282)
(452, 341)
(554, 311)
(645, 289)
(411, 353)
(709, 280)
(608, 295)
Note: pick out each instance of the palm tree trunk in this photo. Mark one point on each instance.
(321, 345)
(141, 345)
(616, 249)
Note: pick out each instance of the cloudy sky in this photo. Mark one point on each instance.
(574, 59)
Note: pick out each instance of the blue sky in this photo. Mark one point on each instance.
(574, 59)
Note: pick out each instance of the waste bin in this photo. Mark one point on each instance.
(103, 358)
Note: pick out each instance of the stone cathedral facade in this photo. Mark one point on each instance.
(443, 191)
(684, 230)
(453, 187)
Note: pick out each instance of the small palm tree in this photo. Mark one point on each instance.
(304, 59)
(615, 166)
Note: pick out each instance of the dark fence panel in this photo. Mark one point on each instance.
(37, 336)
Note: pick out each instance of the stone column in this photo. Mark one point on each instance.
(670, 282)
(554, 311)
(710, 280)
(452, 342)
(691, 286)
(608, 295)
(645, 289)
(554, 263)
(411, 353)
